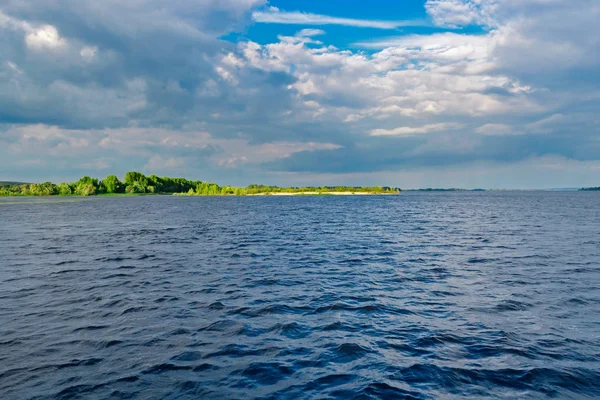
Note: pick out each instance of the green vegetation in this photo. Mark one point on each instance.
(136, 183)
(591, 189)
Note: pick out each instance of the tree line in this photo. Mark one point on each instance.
(138, 183)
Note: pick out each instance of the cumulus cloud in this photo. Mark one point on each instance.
(419, 77)
(151, 84)
(38, 37)
(149, 149)
(457, 13)
(46, 37)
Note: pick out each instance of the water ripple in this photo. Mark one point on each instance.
(418, 296)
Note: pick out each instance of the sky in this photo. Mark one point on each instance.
(405, 93)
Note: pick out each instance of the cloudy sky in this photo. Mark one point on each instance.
(408, 93)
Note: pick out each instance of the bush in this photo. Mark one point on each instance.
(64, 189)
(112, 184)
(138, 187)
(85, 189)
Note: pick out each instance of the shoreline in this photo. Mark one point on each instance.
(278, 194)
(321, 194)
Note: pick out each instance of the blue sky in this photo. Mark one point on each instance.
(416, 93)
(410, 14)
(339, 35)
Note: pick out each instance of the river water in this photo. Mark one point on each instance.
(418, 296)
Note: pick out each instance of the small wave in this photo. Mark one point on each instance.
(204, 367)
(112, 276)
(66, 262)
(267, 310)
(188, 356)
(477, 260)
(544, 379)
(219, 326)
(330, 380)
(511, 305)
(340, 326)
(433, 340)
(237, 351)
(216, 306)
(366, 309)
(126, 267)
(133, 310)
(76, 391)
(180, 331)
(292, 330)
(90, 328)
(68, 271)
(166, 298)
(267, 373)
(380, 390)
(164, 368)
(112, 259)
(346, 352)
(128, 379)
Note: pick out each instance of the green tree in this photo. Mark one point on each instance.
(64, 189)
(85, 189)
(112, 184)
(47, 189)
(138, 187)
(133, 177)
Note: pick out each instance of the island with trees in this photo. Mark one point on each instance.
(590, 189)
(136, 183)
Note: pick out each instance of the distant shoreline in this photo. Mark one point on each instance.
(136, 183)
(321, 194)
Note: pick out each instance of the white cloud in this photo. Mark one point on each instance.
(36, 37)
(310, 32)
(274, 16)
(14, 67)
(420, 76)
(162, 148)
(456, 13)
(8, 22)
(546, 125)
(88, 52)
(46, 37)
(496, 130)
(411, 131)
(238, 152)
(159, 163)
(97, 164)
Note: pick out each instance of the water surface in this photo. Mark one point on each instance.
(422, 295)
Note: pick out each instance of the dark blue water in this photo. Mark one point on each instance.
(441, 295)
